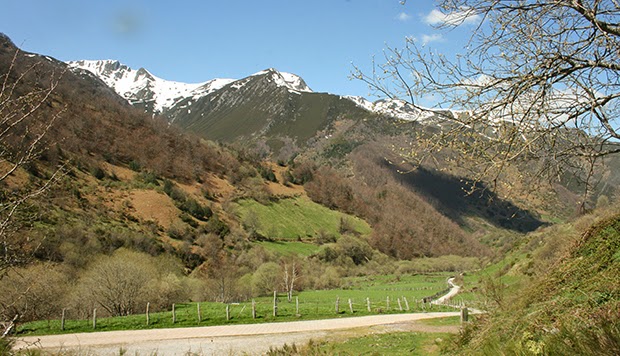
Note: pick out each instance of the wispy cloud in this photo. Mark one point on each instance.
(426, 39)
(463, 17)
(403, 16)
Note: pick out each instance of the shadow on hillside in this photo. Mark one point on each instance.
(453, 197)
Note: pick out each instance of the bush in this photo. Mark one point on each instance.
(148, 178)
(186, 218)
(356, 249)
(217, 226)
(266, 279)
(330, 278)
(303, 173)
(98, 172)
(35, 292)
(195, 209)
(124, 282)
(135, 166)
(117, 283)
(267, 173)
(185, 203)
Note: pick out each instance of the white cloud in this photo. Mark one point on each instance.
(464, 17)
(403, 16)
(426, 39)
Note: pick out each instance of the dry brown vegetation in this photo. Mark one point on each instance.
(405, 225)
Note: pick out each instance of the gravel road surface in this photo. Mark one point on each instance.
(250, 339)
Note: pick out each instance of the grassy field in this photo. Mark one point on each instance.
(476, 283)
(451, 320)
(297, 218)
(383, 292)
(285, 248)
(398, 343)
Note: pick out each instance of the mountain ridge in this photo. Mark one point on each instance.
(140, 87)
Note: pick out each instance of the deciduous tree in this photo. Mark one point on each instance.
(25, 119)
(119, 283)
(539, 81)
(26, 115)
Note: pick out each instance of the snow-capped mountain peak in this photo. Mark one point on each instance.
(288, 80)
(142, 87)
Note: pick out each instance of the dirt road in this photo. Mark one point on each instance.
(454, 290)
(249, 339)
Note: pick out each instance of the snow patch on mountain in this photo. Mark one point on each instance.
(288, 80)
(140, 86)
(399, 109)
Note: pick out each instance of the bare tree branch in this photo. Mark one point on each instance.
(538, 81)
(25, 121)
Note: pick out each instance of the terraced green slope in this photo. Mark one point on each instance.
(298, 218)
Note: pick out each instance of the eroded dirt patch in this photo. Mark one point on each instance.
(155, 206)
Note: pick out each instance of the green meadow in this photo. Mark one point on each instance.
(297, 219)
(383, 292)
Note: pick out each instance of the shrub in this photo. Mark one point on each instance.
(217, 226)
(266, 279)
(267, 173)
(118, 283)
(330, 278)
(303, 173)
(195, 209)
(98, 172)
(148, 178)
(356, 249)
(34, 292)
(135, 166)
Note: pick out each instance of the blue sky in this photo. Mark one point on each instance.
(194, 41)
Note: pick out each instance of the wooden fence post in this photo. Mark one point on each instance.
(62, 319)
(337, 305)
(275, 303)
(227, 312)
(387, 303)
(148, 316)
(464, 315)
(253, 309)
(297, 306)
(368, 303)
(174, 314)
(95, 318)
(198, 311)
(350, 306)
